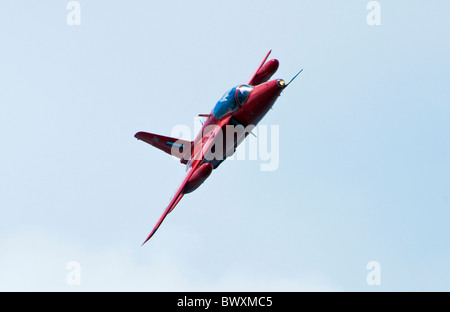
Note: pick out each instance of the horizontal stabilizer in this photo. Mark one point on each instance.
(175, 147)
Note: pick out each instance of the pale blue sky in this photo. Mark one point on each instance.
(364, 170)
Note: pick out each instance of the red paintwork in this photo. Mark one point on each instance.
(195, 154)
(164, 144)
(266, 72)
(259, 102)
(198, 177)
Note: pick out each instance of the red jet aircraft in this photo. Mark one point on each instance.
(240, 108)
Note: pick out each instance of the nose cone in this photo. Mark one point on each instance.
(274, 88)
(260, 101)
(268, 91)
(281, 83)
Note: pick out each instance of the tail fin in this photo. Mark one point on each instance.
(175, 147)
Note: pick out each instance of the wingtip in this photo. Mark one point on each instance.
(148, 237)
(145, 241)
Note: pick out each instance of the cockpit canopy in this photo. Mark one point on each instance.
(232, 100)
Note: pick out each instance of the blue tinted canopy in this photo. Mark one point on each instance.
(232, 100)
